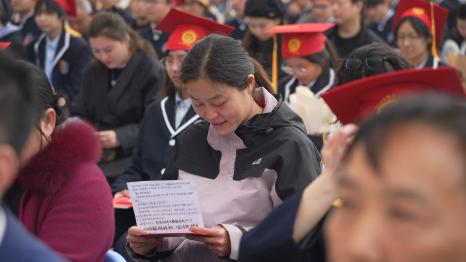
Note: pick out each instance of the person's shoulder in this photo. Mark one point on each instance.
(19, 245)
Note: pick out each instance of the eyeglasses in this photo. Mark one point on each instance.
(409, 37)
(297, 70)
(366, 64)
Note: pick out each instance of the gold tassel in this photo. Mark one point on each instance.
(434, 33)
(275, 65)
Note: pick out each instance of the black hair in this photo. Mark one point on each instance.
(393, 60)
(441, 112)
(373, 3)
(271, 9)
(224, 60)
(112, 26)
(17, 101)
(325, 58)
(461, 12)
(50, 7)
(461, 15)
(44, 92)
(221, 59)
(5, 12)
(419, 27)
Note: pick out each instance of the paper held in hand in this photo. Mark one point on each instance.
(168, 207)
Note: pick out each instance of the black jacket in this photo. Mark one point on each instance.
(71, 57)
(154, 142)
(119, 108)
(345, 46)
(158, 39)
(277, 138)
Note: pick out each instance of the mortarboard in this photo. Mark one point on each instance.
(186, 29)
(359, 99)
(421, 10)
(301, 39)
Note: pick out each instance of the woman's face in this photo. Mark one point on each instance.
(259, 26)
(39, 137)
(223, 106)
(414, 46)
(413, 208)
(304, 70)
(461, 26)
(112, 53)
(49, 23)
(173, 62)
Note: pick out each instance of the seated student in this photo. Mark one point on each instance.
(23, 16)
(17, 118)
(299, 235)
(116, 88)
(10, 33)
(168, 116)
(456, 44)
(66, 201)
(413, 29)
(402, 186)
(60, 51)
(307, 59)
(249, 154)
(380, 17)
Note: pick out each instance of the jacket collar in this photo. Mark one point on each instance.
(72, 144)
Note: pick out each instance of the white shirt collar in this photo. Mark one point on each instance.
(3, 222)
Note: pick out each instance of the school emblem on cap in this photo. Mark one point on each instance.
(188, 37)
(294, 44)
(386, 102)
(418, 11)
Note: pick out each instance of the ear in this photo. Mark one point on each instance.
(48, 122)
(251, 83)
(8, 167)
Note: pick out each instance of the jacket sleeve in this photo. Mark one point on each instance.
(299, 164)
(138, 170)
(80, 222)
(81, 60)
(79, 106)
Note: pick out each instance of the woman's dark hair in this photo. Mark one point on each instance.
(49, 7)
(46, 95)
(325, 58)
(419, 27)
(440, 112)
(111, 25)
(461, 15)
(390, 60)
(223, 60)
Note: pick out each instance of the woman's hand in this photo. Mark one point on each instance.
(141, 243)
(108, 139)
(335, 147)
(215, 238)
(122, 193)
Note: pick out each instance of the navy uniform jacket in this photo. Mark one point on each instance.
(241, 27)
(432, 62)
(155, 141)
(71, 57)
(119, 108)
(345, 46)
(16, 48)
(29, 30)
(18, 245)
(324, 82)
(272, 239)
(157, 38)
(384, 29)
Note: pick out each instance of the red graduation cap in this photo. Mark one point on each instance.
(421, 9)
(4, 45)
(186, 29)
(69, 6)
(302, 39)
(359, 99)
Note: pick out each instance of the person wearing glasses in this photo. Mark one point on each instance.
(168, 116)
(66, 201)
(307, 59)
(117, 87)
(261, 15)
(413, 32)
